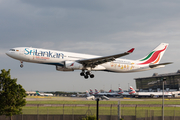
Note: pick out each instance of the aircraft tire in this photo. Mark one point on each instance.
(82, 73)
(92, 76)
(21, 65)
(88, 73)
(86, 76)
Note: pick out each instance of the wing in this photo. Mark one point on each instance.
(100, 60)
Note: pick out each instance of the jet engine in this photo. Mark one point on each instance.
(73, 65)
(90, 98)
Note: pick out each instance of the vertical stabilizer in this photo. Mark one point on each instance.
(155, 56)
(91, 92)
(96, 91)
(132, 91)
(120, 91)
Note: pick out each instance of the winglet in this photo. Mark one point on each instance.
(131, 50)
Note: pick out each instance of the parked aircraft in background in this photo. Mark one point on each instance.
(124, 93)
(92, 97)
(149, 94)
(43, 94)
(96, 92)
(73, 95)
(111, 93)
(68, 61)
(81, 95)
(91, 92)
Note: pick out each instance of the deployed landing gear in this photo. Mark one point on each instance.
(21, 64)
(92, 76)
(82, 73)
(87, 74)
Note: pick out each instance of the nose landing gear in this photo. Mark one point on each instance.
(21, 64)
(87, 74)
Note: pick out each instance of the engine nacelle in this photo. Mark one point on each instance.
(61, 68)
(104, 97)
(73, 65)
(90, 98)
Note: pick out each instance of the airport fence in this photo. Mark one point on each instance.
(106, 112)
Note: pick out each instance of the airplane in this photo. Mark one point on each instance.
(124, 93)
(73, 95)
(98, 93)
(43, 94)
(110, 93)
(92, 97)
(149, 94)
(68, 61)
(91, 92)
(81, 95)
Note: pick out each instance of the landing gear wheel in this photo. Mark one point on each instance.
(86, 76)
(21, 65)
(87, 73)
(92, 76)
(82, 73)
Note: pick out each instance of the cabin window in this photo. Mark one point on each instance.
(12, 50)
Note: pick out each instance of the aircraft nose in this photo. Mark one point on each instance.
(7, 53)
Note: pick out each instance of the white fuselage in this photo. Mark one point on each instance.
(141, 94)
(58, 58)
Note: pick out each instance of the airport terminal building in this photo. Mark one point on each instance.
(154, 83)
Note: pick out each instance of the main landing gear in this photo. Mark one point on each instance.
(87, 74)
(21, 64)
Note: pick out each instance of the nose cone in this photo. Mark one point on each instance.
(7, 53)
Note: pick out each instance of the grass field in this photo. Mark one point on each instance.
(53, 100)
(147, 111)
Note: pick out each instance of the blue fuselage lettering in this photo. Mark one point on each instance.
(43, 53)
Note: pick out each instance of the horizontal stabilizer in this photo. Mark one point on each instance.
(156, 65)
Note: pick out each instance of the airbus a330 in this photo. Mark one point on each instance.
(68, 61)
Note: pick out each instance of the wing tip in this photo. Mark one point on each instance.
(131, 50)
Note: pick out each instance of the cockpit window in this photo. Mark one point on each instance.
(12, 50)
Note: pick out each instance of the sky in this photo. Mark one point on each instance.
(100, 27)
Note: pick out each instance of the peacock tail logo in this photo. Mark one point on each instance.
(153, 57)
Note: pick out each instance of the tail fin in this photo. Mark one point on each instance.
(37, 93)
(96, 91)
(91, 92)
(155, 56)
(132, 91)
(120, 91)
